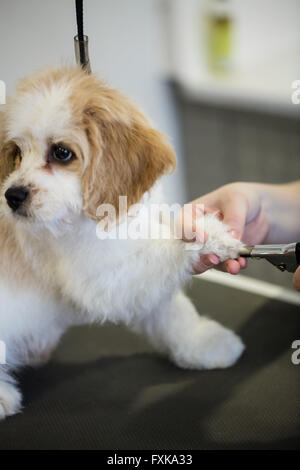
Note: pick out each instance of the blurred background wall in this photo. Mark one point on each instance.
(215, 75)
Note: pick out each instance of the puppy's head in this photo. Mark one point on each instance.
(70, 144)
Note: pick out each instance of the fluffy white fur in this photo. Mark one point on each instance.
(72, 277)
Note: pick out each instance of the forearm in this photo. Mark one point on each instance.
(281, 204)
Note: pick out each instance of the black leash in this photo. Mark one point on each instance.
(81, 41)
(79, 18)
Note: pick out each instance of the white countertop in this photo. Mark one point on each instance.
(268, 88)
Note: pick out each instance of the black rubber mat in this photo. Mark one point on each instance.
(106, 388)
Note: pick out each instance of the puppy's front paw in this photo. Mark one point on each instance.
(211, 347)
(219, 239)
(10, 400)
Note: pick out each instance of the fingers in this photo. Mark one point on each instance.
(296, 279)
(257, 230)
(188, 224)
(243, 262)
(206, 262)
(233, 266)
(235, 213)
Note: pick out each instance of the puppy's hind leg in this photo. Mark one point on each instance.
(10, 396)
(190, 340)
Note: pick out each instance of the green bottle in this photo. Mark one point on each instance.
(219, 36)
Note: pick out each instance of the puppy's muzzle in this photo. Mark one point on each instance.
(16, 196)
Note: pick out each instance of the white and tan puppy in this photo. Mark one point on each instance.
(70, 144)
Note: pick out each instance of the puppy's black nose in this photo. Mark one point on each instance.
(16, 196)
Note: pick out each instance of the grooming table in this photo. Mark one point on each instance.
(106, 388)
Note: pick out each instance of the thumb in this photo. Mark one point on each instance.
(235, 213)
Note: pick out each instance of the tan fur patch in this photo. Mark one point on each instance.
(126, 155)
(125, 161)
(13, 267)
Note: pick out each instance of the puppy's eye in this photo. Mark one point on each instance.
(61, 154)
(17, 152)
(16, 156)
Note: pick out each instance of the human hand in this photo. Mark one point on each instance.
(239, 206)
(296, 279)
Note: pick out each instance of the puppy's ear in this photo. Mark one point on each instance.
(6, 163)
(126, 160)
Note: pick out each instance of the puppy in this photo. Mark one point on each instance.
(69, 145)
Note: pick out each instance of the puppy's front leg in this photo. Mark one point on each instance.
(190, 340)
(10, 397)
